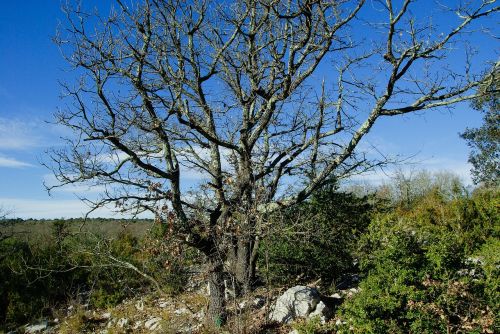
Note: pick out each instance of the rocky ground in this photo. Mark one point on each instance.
(264, 311)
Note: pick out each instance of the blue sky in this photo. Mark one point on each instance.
(31, 67)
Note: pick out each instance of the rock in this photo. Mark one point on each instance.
(153, 323)
(194, 328)
(294, 332)
(106, 316)
(229, 289)
(139, 305)
(111, 323)
(163, 304)
(137, 324)
(200, 315)
(322, 311)
(181, 311)
(37, 328)
(296, 302)
(259, 301)
(122, 322)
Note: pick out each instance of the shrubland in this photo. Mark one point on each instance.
(61, 266)
(316, 239)
(425, 249)
(430, 268)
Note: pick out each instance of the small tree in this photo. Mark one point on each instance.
(409, 186)
(229, 92)
(484, 141)
(5, 224)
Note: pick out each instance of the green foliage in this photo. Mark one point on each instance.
(484, 141)
(489, 257)
(39, 274)
(312, 326)
(420, 271)
(315, 239)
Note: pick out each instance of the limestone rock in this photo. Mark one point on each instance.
(296, 302)
(153, 324)
(322, 311)
(37, 328)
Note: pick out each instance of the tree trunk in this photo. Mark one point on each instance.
(244, 262)
(216, 305)
(242, 265)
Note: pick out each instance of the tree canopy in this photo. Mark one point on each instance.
(484, 141)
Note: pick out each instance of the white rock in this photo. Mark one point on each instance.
(200, 315)
(322, 311)
(37, 328)
(336, 295)
(195, 327)
(106, 315)
(139, 305)
(294, 332)
(122, 322)
(111, 323)
(137, 324)
(181, 311)
(153, 323)
(296, 302)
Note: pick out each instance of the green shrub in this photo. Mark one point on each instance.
(40, 274)
(315, 239)
(430, 269)
(312, 326)
(488, 257)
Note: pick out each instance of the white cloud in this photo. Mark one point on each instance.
(461, 168)
(433, 165)
(112, 158)
(53, 208)
(17, 134)
(13, 163)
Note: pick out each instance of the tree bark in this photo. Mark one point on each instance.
(216, 306)
(243, 263)
(242, 267)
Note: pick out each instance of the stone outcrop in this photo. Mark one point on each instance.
(299, 302)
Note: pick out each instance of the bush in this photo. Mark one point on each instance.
(40, 274)
(430, 269)
(315, 239)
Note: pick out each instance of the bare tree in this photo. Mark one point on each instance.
(261, 100)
